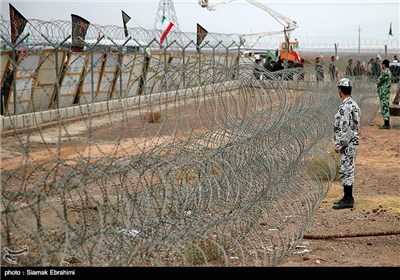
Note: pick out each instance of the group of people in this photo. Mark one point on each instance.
(373, 67)
(357, 70)
(346, 129)
(333, 70)
(271, 65)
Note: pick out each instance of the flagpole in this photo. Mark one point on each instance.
(387, 40)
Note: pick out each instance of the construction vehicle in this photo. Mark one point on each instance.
(287, 51)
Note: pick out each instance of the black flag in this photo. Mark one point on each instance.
(201, 34)
(17, 22)
(79, 29)
(125, 19)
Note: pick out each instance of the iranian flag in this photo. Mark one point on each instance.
(296, 56)
(166, 28)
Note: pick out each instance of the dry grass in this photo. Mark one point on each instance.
(380, 203)
(321, 168)
(203, 251)
(152, 117)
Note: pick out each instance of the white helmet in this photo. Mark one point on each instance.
(344, 82)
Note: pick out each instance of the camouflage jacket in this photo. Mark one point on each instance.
(347, 124)
(384, 82)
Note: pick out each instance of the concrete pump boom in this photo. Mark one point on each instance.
(288, 24)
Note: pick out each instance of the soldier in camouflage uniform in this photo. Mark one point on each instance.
(345, 129)
(384, 83)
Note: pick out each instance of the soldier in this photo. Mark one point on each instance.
(268, 66)
(319, 70)
(333, 72)
(349, 69)
(384, 83)
(346, 138)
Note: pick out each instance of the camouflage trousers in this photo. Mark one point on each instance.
(384, 96)
(347, 166)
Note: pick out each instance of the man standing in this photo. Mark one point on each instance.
(394, 68)
(319, 70)
(384, 83)
(376, 67)
(269, 68)
(349, 68)
(257, 69)
(333, 72)
(345, 129)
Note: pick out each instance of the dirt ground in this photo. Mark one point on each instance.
(367, 235)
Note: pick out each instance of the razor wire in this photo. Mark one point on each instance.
(44, 33)
(199, 164)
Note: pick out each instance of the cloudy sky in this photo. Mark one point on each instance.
(314, 18)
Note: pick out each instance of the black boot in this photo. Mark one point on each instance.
(347, 201)
(344, 195)
(386, 125)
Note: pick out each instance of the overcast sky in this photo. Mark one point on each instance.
(314, 18)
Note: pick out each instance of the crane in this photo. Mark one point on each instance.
(288, 24)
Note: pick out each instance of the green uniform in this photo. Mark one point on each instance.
(384, 83)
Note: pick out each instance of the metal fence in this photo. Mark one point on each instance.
(167, 157)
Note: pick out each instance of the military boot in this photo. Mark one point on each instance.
(386, 125)
(344, 195)
(338, 201)
(347, 201)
